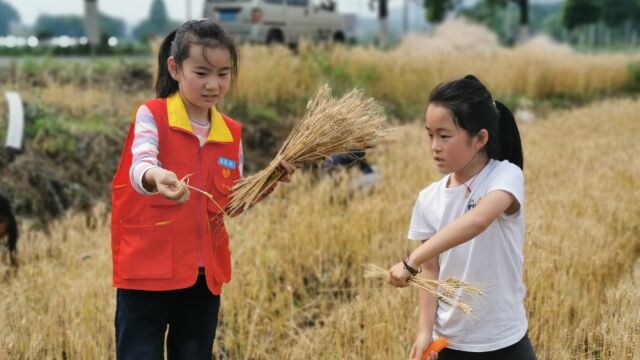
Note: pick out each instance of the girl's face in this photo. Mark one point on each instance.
(452, 148)
(203, 78)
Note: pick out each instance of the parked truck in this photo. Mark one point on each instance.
(278, 21)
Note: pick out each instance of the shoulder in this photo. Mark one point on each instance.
(231, 123)
(144, 117)
(507, 177)
(156, 104)
(151, 108)
(143, 110)
(431, 190)
(506, 170)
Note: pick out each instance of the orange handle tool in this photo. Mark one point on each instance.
(435, 346)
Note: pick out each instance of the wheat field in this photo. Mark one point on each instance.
(281, 81)
(404, 75)
(299, 290)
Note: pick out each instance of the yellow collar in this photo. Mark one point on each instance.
(178, 118)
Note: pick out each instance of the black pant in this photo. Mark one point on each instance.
(142, 318)
(522, 350)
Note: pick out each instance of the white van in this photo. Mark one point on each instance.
(278, 21)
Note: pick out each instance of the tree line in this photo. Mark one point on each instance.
(47, 26)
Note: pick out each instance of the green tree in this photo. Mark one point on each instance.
(58, 25)
(112, 26)
(7, 15)
(72, 25)
(580, 12)
(158, 22)
(616, 12)
(435, 10)
(523, 6)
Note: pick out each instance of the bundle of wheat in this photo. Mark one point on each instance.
(330, 126)
(445, 290)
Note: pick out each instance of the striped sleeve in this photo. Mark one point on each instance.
(241, 157)
(144, 149)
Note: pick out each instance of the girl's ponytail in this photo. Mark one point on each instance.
(509, 136)
(165, 84)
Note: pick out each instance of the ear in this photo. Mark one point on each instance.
(483, 138)
(173, 68)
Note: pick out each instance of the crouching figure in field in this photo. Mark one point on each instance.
(8, 230)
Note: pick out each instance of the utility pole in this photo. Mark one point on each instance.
(91, 24)
(405, 17)
(523, 28)
(188, 2)
(383, 24)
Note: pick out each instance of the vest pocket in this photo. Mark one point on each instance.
(223, 185)
(221, 265)
(158, 200)
(146, 250)
(221, 188)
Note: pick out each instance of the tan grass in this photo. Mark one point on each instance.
(298, 290)
(405, 74)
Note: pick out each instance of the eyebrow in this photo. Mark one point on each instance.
(203, 67)
(437, 129)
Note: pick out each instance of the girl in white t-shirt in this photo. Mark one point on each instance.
(471, 224)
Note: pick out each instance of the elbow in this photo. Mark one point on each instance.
(431, 268)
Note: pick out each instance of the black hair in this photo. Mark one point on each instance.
(203, 33)
(474, 109)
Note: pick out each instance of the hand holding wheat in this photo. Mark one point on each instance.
(447, 290)
(166, 183)
(330, 126)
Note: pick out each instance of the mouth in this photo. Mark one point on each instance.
(439, 161)
(210, 97)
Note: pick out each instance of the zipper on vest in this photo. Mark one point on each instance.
(200, 209)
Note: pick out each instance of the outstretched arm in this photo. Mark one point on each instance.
(457, 232)
(286, 177)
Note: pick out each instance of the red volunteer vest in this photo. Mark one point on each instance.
(158, 244)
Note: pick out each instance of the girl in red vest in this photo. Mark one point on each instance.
(170, 249)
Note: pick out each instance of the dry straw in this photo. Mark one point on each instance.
(330, 126)
(185, 182)
(445, 290)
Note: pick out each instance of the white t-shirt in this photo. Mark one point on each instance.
(492, 261)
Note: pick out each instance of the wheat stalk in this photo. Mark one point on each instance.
(329, 126)
(185, 182)
(445, 290)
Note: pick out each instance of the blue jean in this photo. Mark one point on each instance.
(142, 318)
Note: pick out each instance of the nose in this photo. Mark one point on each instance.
(436, 146)
(211, 85)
